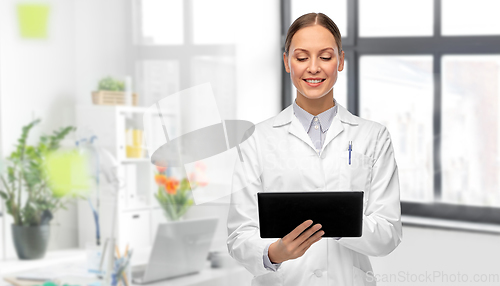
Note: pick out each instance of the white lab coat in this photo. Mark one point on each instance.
(279, 156)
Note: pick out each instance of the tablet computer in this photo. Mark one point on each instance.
(339, 213)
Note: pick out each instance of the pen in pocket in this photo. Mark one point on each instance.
(350, 149)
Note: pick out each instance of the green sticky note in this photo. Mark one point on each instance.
(68, 173)
(33, 20)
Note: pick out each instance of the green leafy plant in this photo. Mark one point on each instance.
(26, 191)
(111, 84)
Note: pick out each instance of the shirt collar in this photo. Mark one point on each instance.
(286, 115)
(325, 118)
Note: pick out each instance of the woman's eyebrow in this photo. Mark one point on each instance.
(304, 50)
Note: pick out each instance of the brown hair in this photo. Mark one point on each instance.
(311, 19)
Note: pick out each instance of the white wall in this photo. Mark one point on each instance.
(439, 252)
(101, 43)
(38, 81)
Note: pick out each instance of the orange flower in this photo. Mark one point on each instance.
(171, 186)
(161, 169)
(161, 179)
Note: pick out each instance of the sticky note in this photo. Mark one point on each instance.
(68, 172)
(33, 20)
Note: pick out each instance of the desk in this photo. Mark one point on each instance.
(72, 264)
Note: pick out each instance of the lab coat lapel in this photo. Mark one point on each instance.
(286, 117)
(343, 117)
(335, 129)
(297, 129)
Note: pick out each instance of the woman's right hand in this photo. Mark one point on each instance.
(295, 244)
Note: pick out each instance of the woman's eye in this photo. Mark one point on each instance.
(326, 59)
(301, 59)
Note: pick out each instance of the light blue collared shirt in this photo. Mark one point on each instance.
(315, 126)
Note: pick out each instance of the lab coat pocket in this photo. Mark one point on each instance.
(269, 279)
(361, 278)
(355, 171)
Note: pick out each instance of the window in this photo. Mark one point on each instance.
(162, 22)
(220, 71)
(440, 76)
(391, 18)
(482, 17)
(470, 115)
(176, 37)
(214, 28)
(403, 84)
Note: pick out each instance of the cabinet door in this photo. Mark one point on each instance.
(135, 229)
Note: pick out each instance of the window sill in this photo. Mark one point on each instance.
(450, 224)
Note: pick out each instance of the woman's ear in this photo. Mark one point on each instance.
(285, 61)
(341, 61)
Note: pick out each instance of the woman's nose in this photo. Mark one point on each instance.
(314, 67)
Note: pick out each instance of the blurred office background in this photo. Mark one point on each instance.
(427, 69)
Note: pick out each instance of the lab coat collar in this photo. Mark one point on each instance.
(286, 116)
(343, 116)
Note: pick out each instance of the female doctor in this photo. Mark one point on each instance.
(305, 148)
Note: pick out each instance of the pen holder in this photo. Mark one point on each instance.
(121, 276)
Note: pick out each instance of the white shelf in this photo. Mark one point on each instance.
(123, 109)
(132, 109)
(135, 160)
(135, 201)
(136, 217)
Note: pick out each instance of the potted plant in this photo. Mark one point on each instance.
(111, 91)
(174, 196)
(27, 193)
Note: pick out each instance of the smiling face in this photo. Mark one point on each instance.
(313, 62)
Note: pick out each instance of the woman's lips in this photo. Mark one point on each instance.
(314, 84)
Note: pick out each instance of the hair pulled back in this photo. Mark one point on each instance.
(311, 19)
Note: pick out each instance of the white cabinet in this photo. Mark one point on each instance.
(137, 210)
(135, 228)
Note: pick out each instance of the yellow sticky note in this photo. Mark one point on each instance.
(33, 20)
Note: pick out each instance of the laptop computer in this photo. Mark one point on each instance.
(339, 213)
(180, 248)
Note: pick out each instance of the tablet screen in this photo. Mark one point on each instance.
(339, 213)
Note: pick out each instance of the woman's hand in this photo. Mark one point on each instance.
(295, 244)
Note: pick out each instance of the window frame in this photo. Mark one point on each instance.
(140, 52)
(435, 45)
